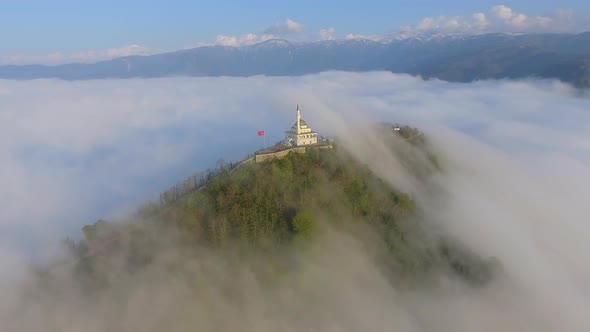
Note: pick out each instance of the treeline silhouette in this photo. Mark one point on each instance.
(197, 181)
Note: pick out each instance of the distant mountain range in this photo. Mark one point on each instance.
(458, 58)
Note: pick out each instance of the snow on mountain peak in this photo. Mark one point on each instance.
(422, 36)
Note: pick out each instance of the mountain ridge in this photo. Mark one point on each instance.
(457, 58)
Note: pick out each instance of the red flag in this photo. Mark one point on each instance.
(261, 133)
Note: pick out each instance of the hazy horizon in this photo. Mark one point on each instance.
(186, 25)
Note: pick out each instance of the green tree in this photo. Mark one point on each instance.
(303, 224)
(89, 233)
(356, 191)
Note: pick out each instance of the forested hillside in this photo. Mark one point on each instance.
(274, 209)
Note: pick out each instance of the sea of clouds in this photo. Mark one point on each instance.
(515, 154)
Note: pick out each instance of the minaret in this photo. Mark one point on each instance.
(298, 120)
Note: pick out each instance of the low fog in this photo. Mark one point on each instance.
(515, 180)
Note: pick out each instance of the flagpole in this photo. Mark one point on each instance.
(263, 134)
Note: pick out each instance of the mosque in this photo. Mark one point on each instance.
(297, 139)
(300, 133)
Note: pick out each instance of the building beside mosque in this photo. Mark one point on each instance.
(300, 133)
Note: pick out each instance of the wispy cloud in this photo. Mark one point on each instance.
(82, 57)
(361, 36)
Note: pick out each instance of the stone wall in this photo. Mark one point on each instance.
(280, 154)
(297, 149)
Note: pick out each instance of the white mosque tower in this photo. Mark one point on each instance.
(300, 133)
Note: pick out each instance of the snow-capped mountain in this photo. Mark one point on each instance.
(421, 36)
(455, 57)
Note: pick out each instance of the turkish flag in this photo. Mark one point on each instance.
(261, 133)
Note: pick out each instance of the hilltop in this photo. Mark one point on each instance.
(274, 209)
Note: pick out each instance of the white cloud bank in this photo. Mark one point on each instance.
(500, 18)
(327, 34)
(517, 176)
(285, 28)
(279, 30)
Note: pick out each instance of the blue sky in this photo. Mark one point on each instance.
(66, 26)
